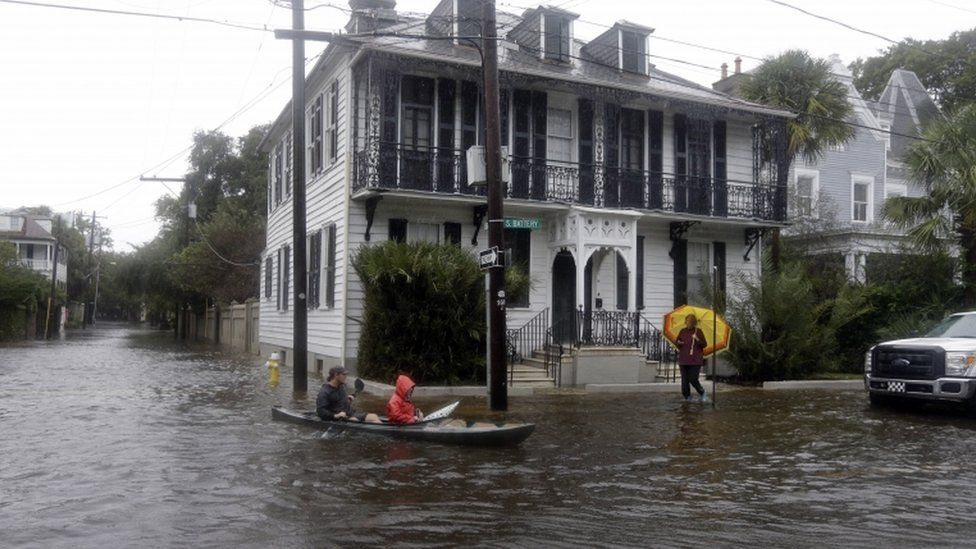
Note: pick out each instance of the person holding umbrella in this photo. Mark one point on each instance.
(691, 346)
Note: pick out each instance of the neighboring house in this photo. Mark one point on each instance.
(836, 203)
(33, 238)
(626, 184)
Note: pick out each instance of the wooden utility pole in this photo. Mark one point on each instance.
(86, 320)
(300, 310)
(498, 390)
(51, 303)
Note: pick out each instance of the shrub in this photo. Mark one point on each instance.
(424, 313)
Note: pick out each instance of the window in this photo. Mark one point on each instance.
(699, 272)
(331, 122)
(314, 269)
(895, 189)
(640, 272)
(315, 137)
(417, 98)
(519, 242)
(423, 232)
(270, 169)
(559, 146)
(452, 233)
(633, 52)
(398, 230)
(285, 276)
(556, 38)
(330, 265)
(861, 210)
(807, 183)
(631, 139)
(886, 128)
(268, 274)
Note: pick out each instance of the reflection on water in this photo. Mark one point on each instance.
(117, 436)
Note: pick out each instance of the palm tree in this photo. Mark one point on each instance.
(803, 85)
(944, 163)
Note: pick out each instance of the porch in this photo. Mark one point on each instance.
(390, 166)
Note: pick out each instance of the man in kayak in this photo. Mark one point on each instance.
(334, 403)
(401, 409)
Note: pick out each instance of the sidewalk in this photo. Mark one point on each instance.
(377, 388)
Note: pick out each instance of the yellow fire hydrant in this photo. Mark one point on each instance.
(274, 372)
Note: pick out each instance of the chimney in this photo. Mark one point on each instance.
(725, 71)
(738, 65)
(371, 15)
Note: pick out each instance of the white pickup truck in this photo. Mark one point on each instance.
(939, 366)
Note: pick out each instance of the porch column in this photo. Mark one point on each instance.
(580, 276)
(632, 276)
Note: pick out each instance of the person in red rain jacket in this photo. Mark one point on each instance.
(400, 408)
(691, 344)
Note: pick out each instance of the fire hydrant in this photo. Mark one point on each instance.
(274, 372)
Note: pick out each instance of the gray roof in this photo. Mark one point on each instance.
(514, 60)
(909, 107)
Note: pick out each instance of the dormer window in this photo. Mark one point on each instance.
(556, 38)
(633, 51)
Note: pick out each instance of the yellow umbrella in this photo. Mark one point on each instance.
(717, 332)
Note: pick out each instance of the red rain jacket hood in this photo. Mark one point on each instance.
(400, 409)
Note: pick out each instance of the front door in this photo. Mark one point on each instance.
(564, 298)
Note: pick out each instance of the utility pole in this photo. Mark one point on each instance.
(498, 390)
(91, 246)
(180, 330)
(300, 310)
(54, 281)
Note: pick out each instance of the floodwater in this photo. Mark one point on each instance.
(122, 437)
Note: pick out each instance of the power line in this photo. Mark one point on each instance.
(203, 237)
(138, 14)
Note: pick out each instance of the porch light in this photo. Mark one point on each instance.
(476, 166)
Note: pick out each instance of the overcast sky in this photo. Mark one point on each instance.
(89, 101)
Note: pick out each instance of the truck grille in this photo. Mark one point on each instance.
(908, 362)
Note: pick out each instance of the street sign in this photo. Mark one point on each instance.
(518, 223)
(489, 258)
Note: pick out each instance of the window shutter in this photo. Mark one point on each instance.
(388, 129)
(520, 143)
(330, 270)
(611, 147)
(446, 96)
(622, 288)
(680, 162)
(719, 260)
(540, 111)
(640, 272)
(720, 169)
(586, 151)
(680, 272)
(656, 158)
(469, 123)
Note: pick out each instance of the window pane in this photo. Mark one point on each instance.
(860, 192)
(804, 186)
(560, 123)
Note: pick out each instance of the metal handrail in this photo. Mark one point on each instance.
(520, 342)
(393, 165)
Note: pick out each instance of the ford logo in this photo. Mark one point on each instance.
(901, 362)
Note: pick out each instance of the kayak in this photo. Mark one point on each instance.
(443, 430)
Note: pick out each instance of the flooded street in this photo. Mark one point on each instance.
(122, 437)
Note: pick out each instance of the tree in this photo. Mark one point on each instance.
(798, 83)
(944, 163)
(947, 68)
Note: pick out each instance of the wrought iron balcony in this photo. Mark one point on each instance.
(393, 166)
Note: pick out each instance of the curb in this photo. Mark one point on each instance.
(839, 384)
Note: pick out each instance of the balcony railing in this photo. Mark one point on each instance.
(395, 166)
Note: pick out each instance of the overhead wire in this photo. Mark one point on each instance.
(137, 14)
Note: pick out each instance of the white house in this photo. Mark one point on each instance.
(638, 181)
(34, 242)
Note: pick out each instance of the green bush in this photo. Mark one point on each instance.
(783, 330)
(424, 313)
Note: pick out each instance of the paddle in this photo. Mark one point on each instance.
(359, 386)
